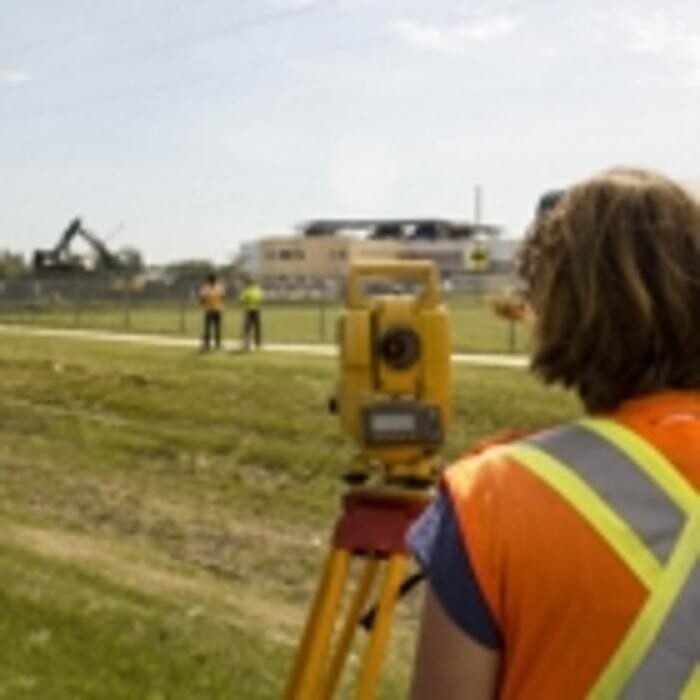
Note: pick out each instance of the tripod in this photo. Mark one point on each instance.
(370, 529)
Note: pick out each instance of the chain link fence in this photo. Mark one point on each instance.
(289, 315)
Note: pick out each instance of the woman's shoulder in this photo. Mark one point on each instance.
(488, 462)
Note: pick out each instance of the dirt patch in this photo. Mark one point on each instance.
(149, 573)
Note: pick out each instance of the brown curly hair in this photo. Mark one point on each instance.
(611, 270)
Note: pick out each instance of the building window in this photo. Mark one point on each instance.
(339, 254)
(291, 254)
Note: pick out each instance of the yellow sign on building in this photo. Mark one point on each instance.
(477, 257)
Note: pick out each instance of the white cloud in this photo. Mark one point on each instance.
(362, 177)
(488, 28)
(455, 38)
(294, 5)
(9, 76)
(664, 33)
(652, 33)
(261, 144)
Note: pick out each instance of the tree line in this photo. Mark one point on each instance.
(15, 265)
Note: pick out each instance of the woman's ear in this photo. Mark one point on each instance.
(508, 305)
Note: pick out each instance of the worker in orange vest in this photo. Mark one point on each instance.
(211, 298)
(566, 564)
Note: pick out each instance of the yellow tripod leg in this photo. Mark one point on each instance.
(359, 600)
(305, 676)
(372, 660)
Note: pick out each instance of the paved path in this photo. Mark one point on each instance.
(482, 359)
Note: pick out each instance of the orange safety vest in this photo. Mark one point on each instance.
(211, 296)
(585, 541)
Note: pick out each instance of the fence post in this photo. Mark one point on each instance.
(512, 335)
(77, 309)
(183, 318)
(322, 316)
(127, 305)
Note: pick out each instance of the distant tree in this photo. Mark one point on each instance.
(187, 272)
(190, 266)
(12, 264)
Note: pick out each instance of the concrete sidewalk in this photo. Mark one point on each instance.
(482, 359)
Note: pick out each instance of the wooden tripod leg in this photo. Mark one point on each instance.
(304, 678)
(374, 653)
(352, 621)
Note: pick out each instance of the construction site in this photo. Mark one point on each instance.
(349, 350)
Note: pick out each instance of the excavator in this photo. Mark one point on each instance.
(60, 258)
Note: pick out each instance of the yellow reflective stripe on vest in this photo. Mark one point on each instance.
(692, 690)
(619, 535)
(632, 668)
(635, 666)
(640, 668)
(648, 458)
(619, 482)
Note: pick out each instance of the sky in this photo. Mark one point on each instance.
(186, 127)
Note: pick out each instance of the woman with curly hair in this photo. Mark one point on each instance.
(567, 564)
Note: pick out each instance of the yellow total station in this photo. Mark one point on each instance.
(393, 393)
(393, 397)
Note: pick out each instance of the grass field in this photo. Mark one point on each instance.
(163, 514)
(475, 327)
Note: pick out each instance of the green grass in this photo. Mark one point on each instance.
(68, 633)
(163, 514)
(475, 328)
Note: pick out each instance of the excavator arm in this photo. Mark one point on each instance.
(59, 258)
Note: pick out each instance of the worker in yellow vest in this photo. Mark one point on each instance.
(211, 298)
(251, 298)
(565, 564)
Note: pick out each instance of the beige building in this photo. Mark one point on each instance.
(319, 256)
(311, 261)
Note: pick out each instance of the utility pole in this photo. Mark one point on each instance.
(476, 250)
(477, 204)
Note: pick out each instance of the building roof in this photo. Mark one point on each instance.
(401, 228)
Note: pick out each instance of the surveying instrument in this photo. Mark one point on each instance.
(393, 399)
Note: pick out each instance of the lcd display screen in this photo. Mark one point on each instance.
(393, 423)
